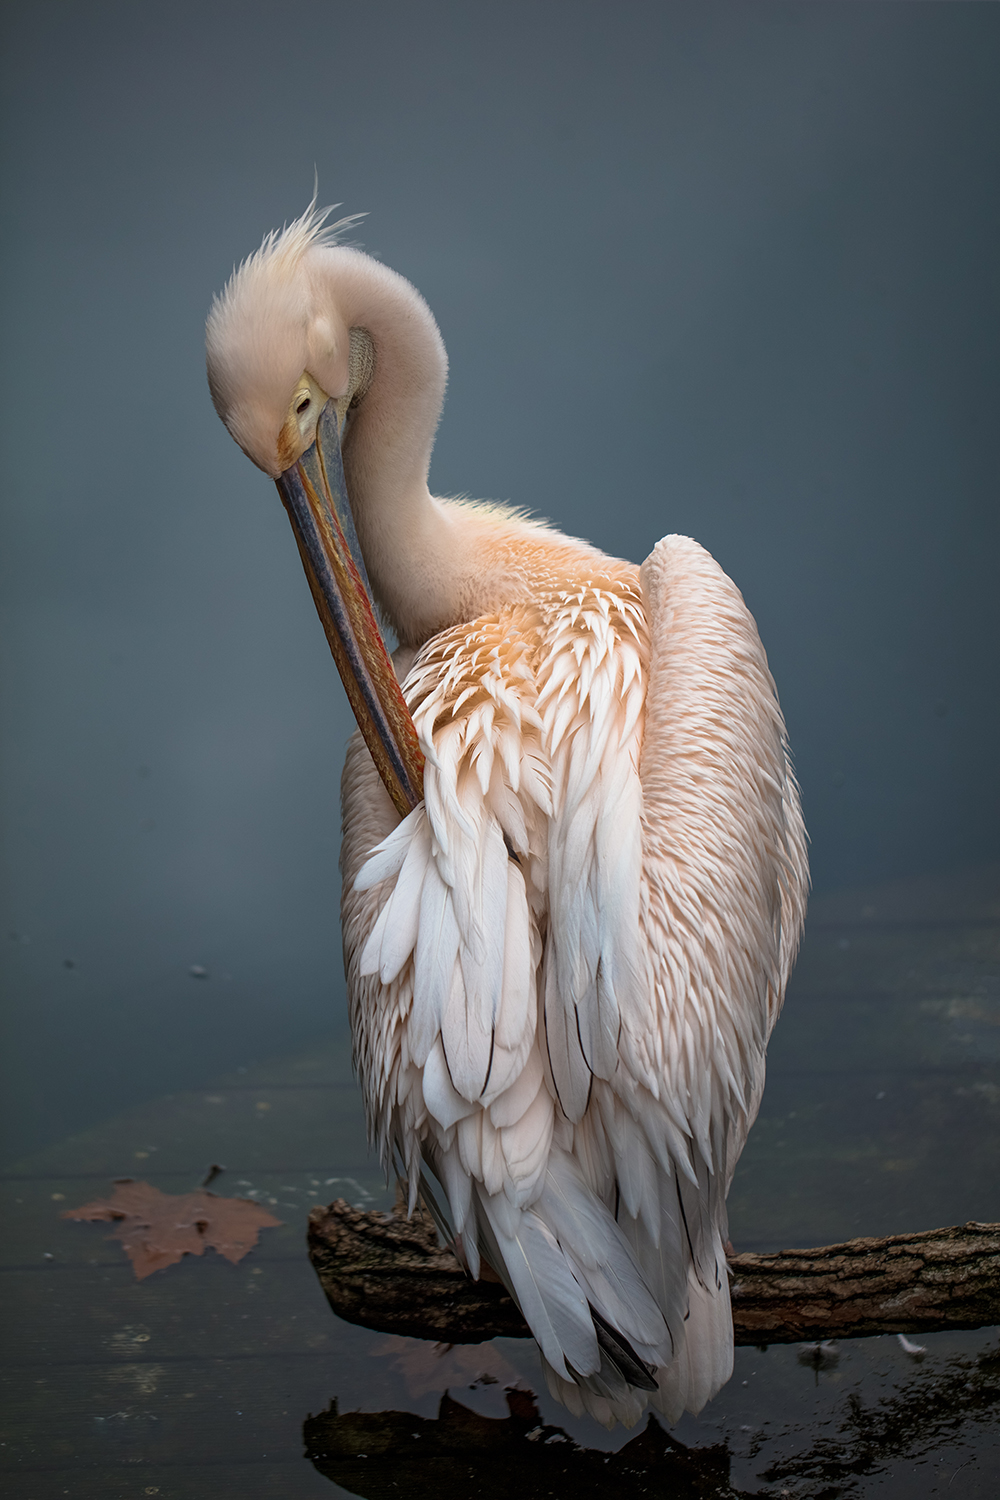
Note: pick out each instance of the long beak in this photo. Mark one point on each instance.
(314, 494)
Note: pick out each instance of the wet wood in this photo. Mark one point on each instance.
(390, 1274)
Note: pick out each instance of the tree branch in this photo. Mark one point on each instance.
(390, 1274)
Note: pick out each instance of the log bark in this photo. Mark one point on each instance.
(389, 1273)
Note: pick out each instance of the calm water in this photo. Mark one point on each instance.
(882, 1114)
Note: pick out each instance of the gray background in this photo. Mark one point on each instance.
(723, 269)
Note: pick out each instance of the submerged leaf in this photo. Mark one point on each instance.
(157, 1229)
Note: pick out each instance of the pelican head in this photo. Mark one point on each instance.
(289, 361)
(276, 351)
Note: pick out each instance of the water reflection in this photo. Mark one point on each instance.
(463, 1452)
(934, 1406)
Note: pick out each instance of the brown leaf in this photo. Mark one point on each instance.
(157, 1228)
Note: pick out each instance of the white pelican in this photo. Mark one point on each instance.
(574, 861)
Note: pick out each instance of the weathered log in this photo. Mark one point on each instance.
(904, 1283)
(389, 1273)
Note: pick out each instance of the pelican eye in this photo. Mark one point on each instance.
(304, 411)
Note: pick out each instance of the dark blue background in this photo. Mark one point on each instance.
(723, 269)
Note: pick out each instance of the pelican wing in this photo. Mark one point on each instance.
(724, 880)
(725, 872)
(565, 965)
(591, 680)
(441, 922)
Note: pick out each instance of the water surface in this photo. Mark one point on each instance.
(881, 1115)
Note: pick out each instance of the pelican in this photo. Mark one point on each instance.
(574, 863)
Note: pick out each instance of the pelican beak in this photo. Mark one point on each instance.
(314, 494)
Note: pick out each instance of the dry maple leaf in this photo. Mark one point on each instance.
(157, 1228)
